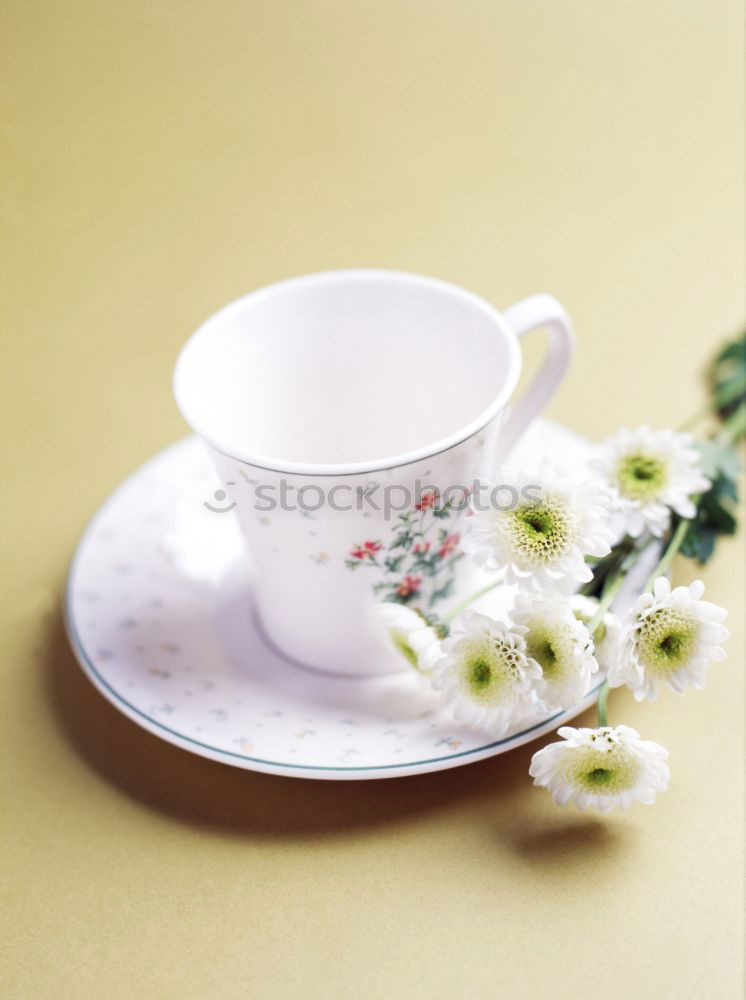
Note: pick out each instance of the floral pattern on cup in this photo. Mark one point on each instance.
(417, 563)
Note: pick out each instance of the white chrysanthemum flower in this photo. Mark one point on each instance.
(485, 676)
(409, 633)
(606, 768)
(670, 638)
(649, 474)
(561, 647)
(541, 539)
(607, 638)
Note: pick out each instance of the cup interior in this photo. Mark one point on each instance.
(345, 367)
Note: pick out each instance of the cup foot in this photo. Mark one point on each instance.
(240, 629)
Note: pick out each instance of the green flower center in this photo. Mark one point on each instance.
(666, 640)
(600, 776)
(641, 477)
(539, 647)
(399, 640)
(537, 522)
(605, 768)
(480, 674)
(489, 668)
(540, 532)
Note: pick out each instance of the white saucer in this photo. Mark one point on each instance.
(159, 616)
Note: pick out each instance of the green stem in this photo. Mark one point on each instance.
(463, 605)
(603, 569)
(664, 564)
(601, 710)
(717, 402)
(611, 588)
(702, 413)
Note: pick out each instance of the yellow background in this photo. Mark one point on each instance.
(161, 158)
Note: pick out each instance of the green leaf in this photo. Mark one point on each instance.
(713, 517)
(718, 459)
(718, 517)
(735, 351)
(442, 592)
(699, 544)
(729, 489)
(728, 377)
(393, 564)
(402, 541)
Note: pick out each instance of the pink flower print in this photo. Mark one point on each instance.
(409, 586)
(421, 548)
(367, 550)
(448, 545)
(428, 499)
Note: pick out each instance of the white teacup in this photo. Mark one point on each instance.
(323, 397)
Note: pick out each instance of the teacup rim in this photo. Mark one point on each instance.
(363, 467)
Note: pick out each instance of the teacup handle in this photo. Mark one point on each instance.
(530, 314)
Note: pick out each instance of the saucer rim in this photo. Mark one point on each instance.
(259, 764)
(289, 769)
